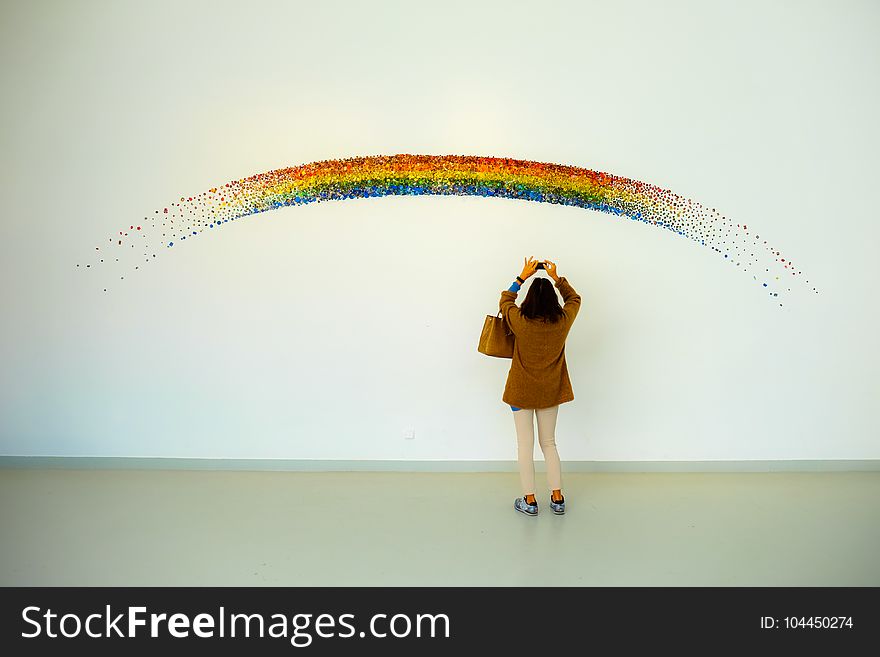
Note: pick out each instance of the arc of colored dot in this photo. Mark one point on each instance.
(460, 175)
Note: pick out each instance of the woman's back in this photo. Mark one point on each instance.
(538, 375)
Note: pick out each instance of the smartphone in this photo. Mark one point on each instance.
(540, 265)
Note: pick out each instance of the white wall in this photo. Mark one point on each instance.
(323, 331)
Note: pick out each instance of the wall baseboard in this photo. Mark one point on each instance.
(331, 465)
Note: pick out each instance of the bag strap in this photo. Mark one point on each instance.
(506, 325)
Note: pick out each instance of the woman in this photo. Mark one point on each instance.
(538, 379)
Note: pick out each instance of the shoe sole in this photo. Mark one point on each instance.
(525, 513)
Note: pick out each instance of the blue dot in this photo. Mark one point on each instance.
(765, 285)
(170, 243)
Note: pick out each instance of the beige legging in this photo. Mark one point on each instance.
(525, 439)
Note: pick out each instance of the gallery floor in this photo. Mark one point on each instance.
(217, 528)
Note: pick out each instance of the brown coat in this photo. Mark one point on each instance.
(538, 376)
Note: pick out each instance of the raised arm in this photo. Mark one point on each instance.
(571, 299)
(507, 303)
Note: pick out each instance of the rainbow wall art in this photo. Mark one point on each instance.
(463, 175)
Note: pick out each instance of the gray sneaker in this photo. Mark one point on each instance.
(558, 507)
(522, 506)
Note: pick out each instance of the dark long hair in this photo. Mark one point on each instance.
(541, 302)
